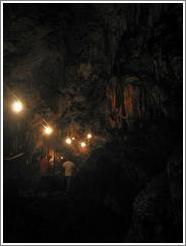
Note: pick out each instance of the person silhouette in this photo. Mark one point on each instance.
(69, 169)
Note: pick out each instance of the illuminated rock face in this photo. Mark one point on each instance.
(112, 67)
(131, 101)
(71, 63)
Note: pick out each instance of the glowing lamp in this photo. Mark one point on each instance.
(17, 106)
(83, 144)
(68, 141)
(73, 138)
(89, 135)
(48, 130)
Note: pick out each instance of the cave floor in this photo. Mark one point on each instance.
(42, 212)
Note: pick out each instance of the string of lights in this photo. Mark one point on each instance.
(17, 107)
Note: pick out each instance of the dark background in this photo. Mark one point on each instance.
(114, 70)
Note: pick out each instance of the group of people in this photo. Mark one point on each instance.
(67, 168)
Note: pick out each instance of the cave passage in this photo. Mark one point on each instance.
(92, 123)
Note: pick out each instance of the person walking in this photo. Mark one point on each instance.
(44, 164)
(69, 169)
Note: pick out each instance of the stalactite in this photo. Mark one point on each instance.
(133, 102)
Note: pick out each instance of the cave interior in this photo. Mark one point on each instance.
(114, 70)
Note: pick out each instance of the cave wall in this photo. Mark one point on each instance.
(96, 66)
(115, 70)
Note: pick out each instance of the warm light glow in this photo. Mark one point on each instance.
(68, 141)
(83, 144)
(17, 106)
(48, 130)
(89, 135)
(61, 157)
(73, 138)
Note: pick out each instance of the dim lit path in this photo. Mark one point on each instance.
(39, 210)
(110, 201)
